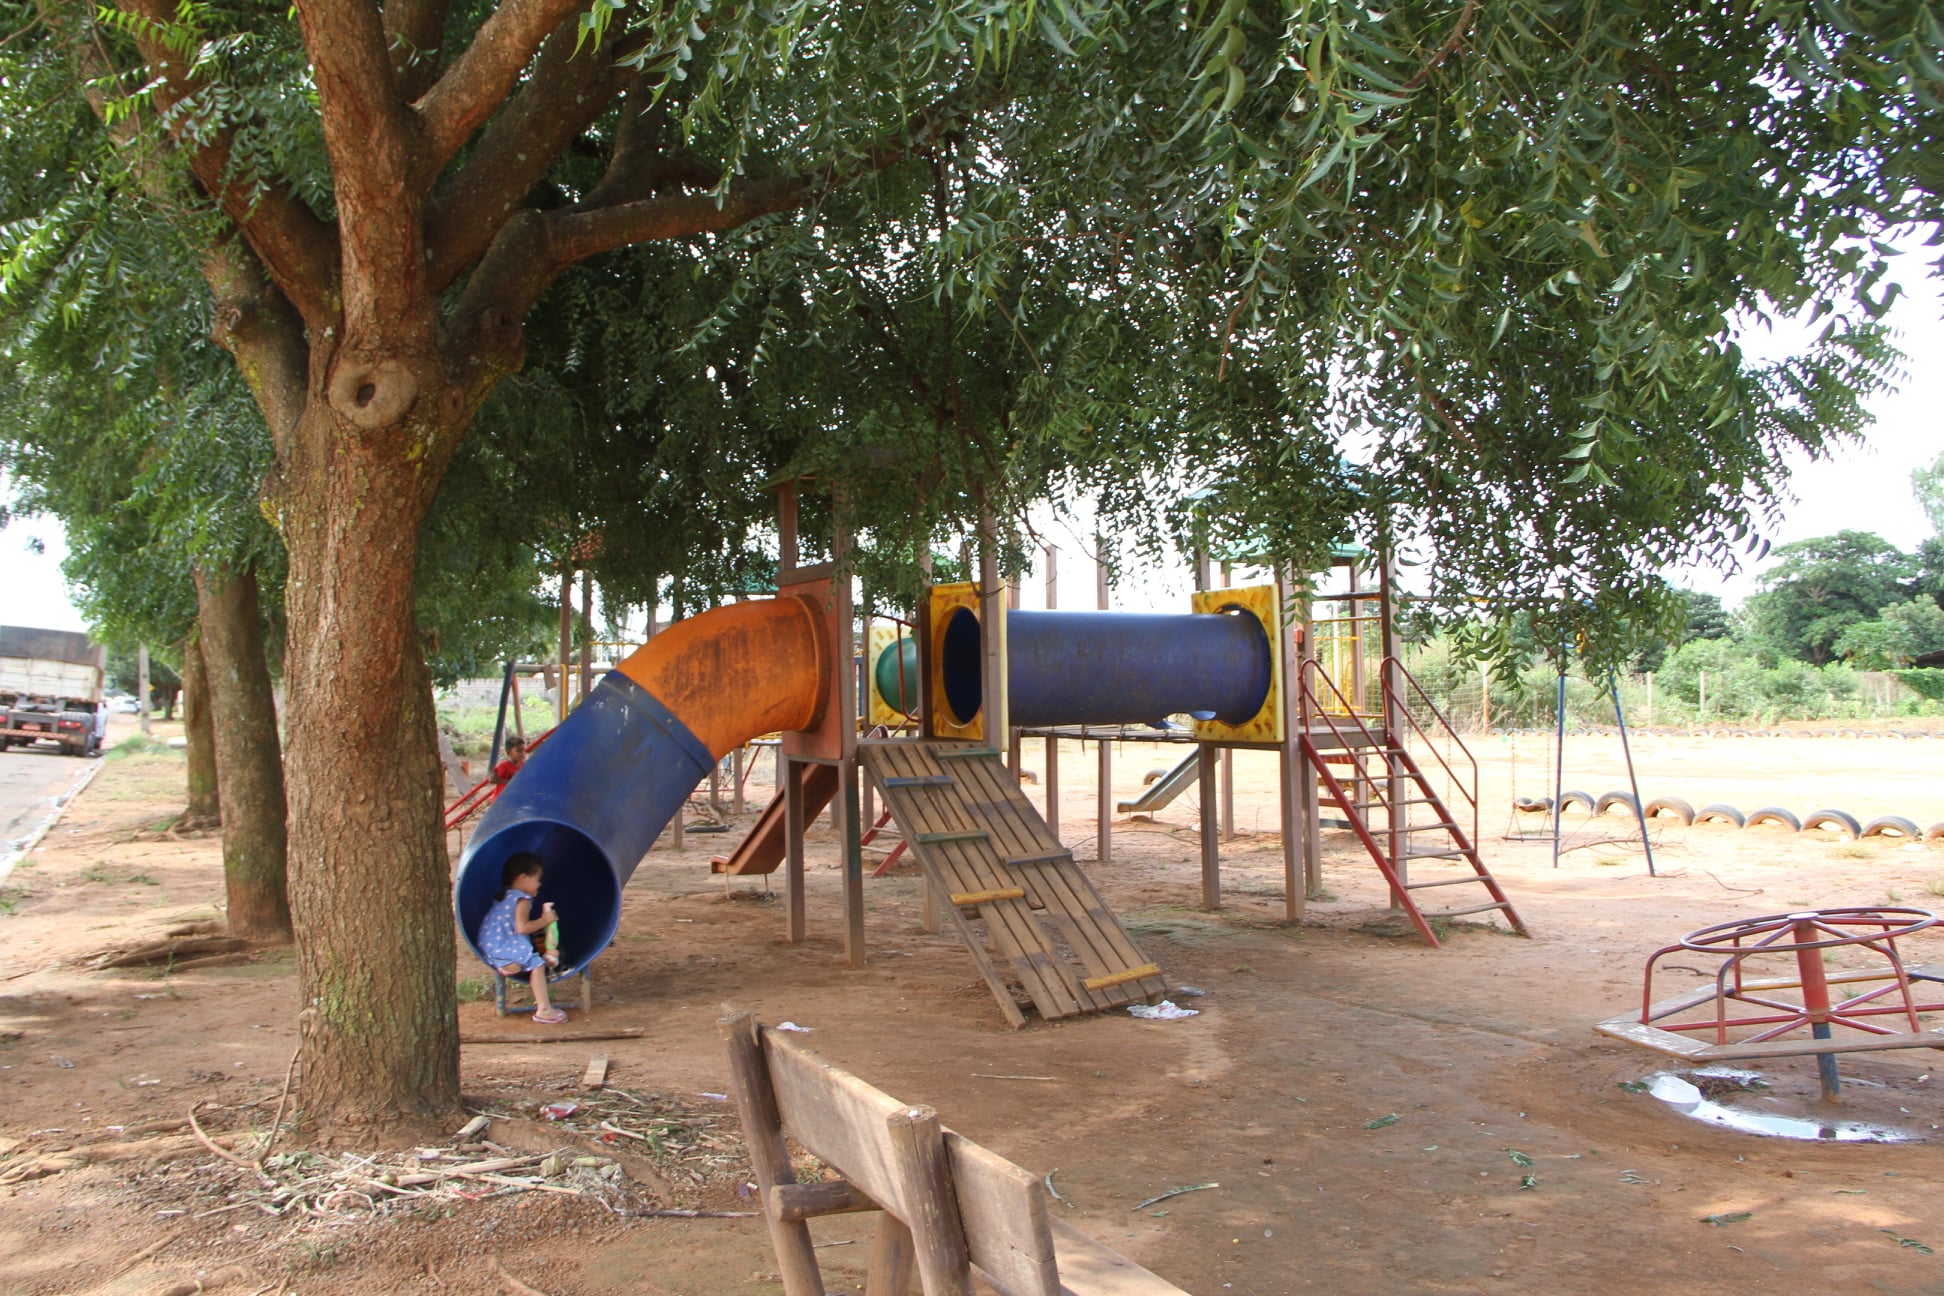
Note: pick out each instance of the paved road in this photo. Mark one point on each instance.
(30, 782)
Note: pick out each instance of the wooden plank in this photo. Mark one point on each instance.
(1044, 857)
(1075, 909)
(839, 1118)
(882, 759)
(1046, 885)
(971, 866)
(984, 897)
(1682, 1045)
(945, 838)
(794, 1201)
(1008, 1234)
(894, 1260)
(931, 1201)
(921, 780)
(762, 1124)
(941, 751)
(1090, 1268)
(596, 1074)
(1122, 978)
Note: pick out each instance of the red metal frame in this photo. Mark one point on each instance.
(1469, 790)
(1805, 935)
(481, 794)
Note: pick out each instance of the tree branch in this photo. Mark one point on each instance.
(367, 134)
(414, 33)
(1459, 30)
(639, 168)
(480, 79)
(254, 323)
(297, 249)
(563, 97)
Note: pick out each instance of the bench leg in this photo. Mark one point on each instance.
(894, 1259)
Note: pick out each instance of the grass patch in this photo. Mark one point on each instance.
(1935, 886)
(475, 989)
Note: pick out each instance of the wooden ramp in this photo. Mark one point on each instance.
(1023, 907)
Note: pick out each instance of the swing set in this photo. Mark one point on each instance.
(1557, 803)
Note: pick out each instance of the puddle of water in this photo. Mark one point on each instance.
(1686, 1098)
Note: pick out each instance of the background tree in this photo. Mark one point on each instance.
(1821, 588)
(1447, 275)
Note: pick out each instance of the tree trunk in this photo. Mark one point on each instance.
(249, 762)
(370, 878)
(199, 727)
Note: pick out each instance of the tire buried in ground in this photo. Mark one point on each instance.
(1673, 807)
(1776, 815)
(1834, 819)
(1891, 826)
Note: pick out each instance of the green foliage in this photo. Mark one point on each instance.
(1927, 484)
(1822, 588)
(1928, 681)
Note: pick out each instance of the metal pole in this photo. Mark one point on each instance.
(1815, 998)
(1104, 787)
(566, 640)
(1626, 749)
(142, 702)
(1559, 759)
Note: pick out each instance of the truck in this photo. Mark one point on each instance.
(50, 690)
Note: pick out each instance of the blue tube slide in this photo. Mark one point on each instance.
(593, 797)
(1114, 667)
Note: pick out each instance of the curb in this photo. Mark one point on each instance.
(26, 844)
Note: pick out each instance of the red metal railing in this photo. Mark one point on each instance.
(1401, 705)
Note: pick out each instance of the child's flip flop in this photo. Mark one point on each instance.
(552, 1017)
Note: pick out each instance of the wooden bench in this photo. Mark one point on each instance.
(950, 1207)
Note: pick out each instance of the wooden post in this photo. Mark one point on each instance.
(1485, 696)
(566, 641)
(1650, 699)
(792, 848)
(1228, 793)
(1211, 835)
(143, 703)
(587, 637)
(1052, 577)
(786, 527)
(992, 618)
(931, 1203)
(1104, 849)
(769, 1155)
(847, 777)
(1052, 815)
(1104, 789)
(1392, 685)
(736, 776)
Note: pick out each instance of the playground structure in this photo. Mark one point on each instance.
(1785, 1005)
(621, 766)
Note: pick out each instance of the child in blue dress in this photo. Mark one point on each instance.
(505, 933)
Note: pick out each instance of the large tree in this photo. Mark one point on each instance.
(1451, 271)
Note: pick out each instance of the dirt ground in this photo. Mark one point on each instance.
(1372, 1115)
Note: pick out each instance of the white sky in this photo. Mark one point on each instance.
(1864, 488)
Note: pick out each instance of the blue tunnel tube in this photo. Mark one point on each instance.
(593, 797)
(1114, 667)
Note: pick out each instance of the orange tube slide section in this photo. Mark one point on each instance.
(739, 671)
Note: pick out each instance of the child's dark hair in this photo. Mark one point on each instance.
(520, 865)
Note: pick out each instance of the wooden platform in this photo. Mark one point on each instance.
(1025, 910)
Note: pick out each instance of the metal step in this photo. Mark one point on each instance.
(1457, 881)
(1460, 913)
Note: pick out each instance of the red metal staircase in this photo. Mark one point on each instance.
(1382, 790)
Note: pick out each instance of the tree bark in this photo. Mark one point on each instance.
(199, 727)
(249, 760)
(369, 874)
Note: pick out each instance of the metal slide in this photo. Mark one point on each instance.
(615, 772)
(1166, 788)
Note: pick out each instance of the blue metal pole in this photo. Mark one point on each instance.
(1626, 748)
(1559, 759)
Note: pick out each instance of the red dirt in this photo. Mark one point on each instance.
(1309, 1037)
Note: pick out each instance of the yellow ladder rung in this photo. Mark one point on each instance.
(980, 897)
(1122, 978)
